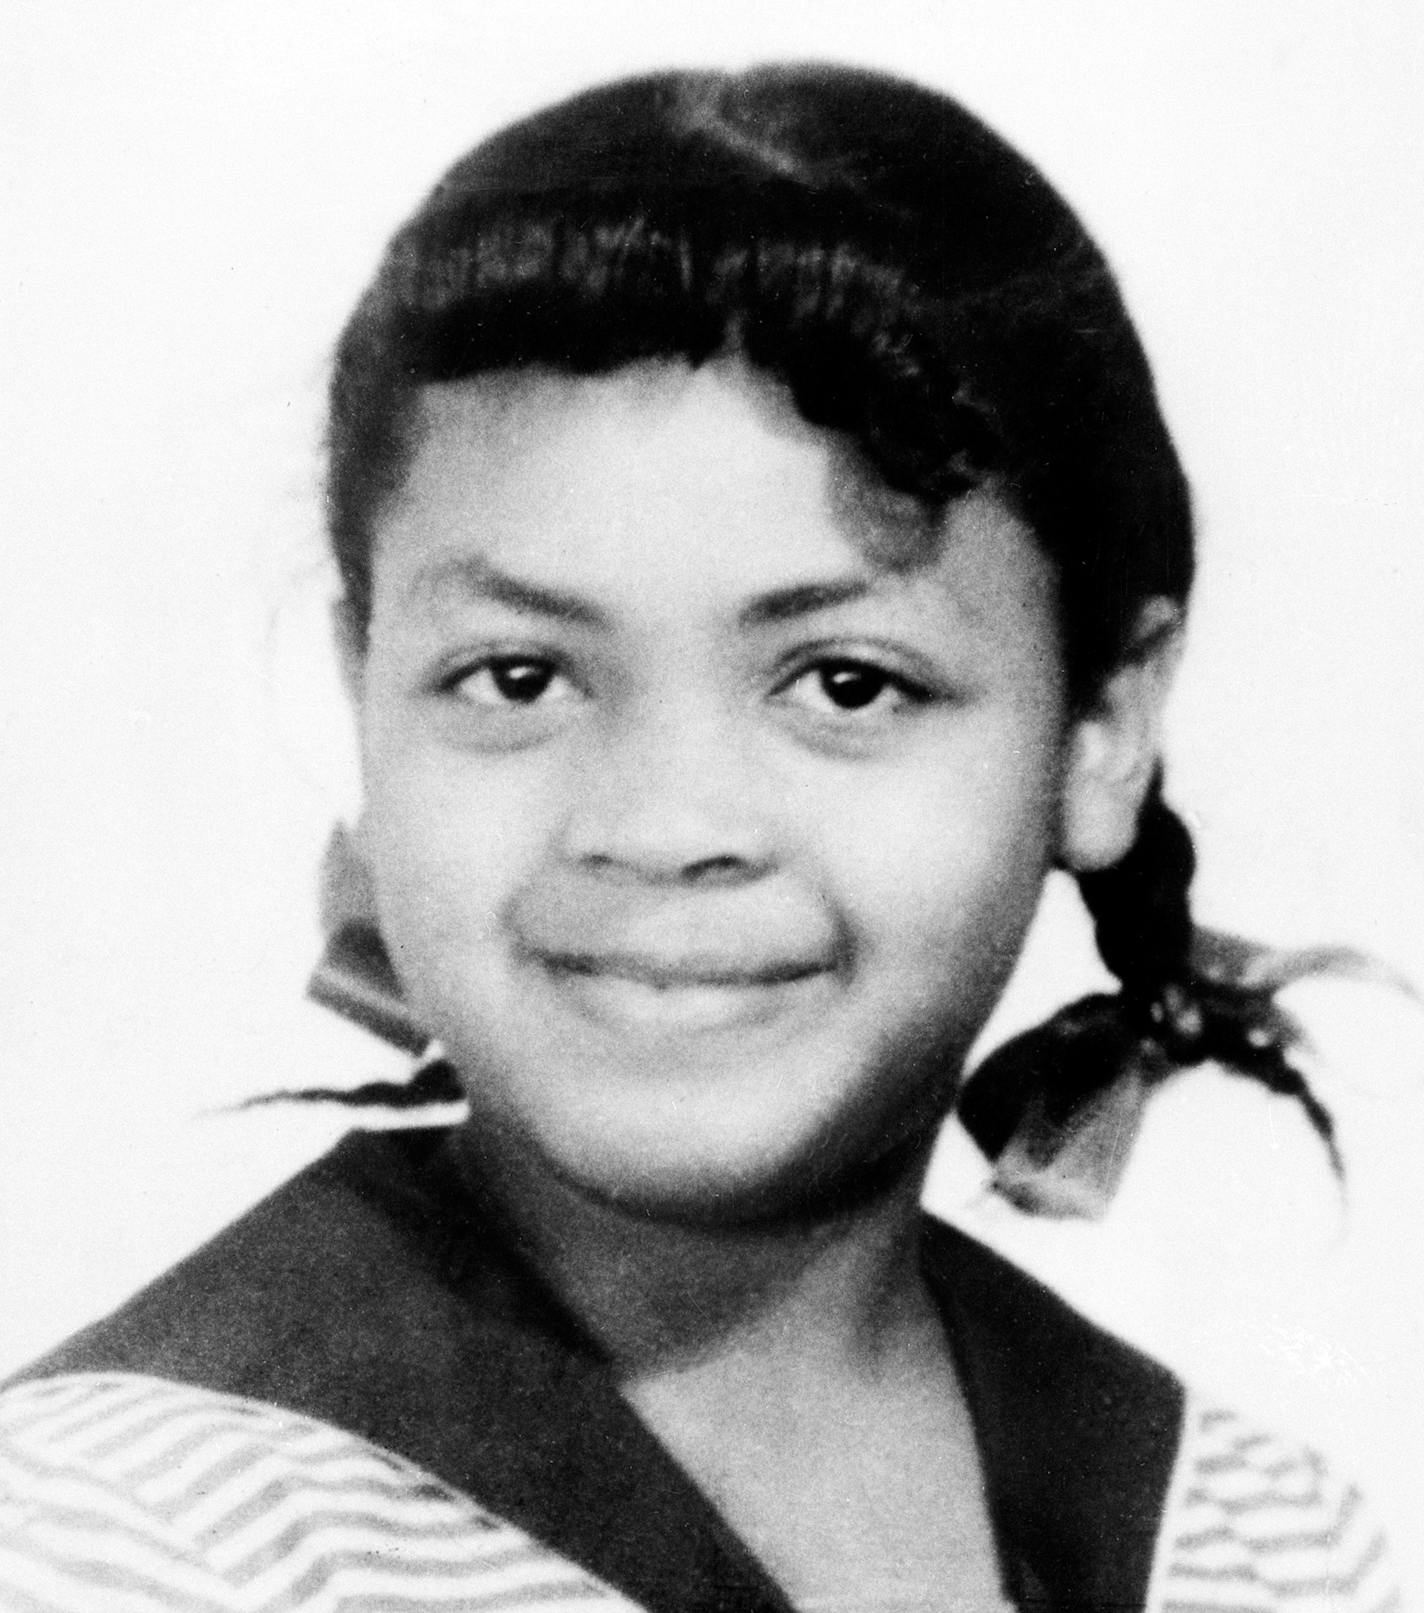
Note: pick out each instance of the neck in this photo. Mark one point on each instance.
(838, 1281)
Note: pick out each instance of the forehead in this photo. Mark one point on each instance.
(702, 486)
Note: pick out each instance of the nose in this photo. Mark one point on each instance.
(672, 794)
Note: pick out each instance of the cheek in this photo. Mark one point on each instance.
(448, 843)
(945, 861)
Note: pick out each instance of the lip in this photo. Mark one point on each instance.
(673, 972)
(638, 992)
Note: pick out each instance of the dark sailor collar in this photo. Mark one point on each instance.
(371, 1293)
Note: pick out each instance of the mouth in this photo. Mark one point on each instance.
(651, 994)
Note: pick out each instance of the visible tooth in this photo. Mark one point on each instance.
(641, 1002)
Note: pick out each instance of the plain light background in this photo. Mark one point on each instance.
(195, 195)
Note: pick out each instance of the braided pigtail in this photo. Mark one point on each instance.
(1057, 1107)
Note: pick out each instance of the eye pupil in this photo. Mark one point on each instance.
(522, 682)
(850, 686)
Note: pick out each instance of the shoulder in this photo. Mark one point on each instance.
(1022, 1341)
(156, 1494)
(354, 1237)
(1257, 1524)
(1079, 1433)
(1105, 1445)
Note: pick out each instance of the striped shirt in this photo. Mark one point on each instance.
(127, 1493)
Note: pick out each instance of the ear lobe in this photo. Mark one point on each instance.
(1114, 747)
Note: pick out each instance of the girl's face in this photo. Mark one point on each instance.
(702, 838)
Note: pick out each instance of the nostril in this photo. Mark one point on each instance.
(719, 870)
(716, 870)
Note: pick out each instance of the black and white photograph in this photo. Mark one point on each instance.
(713, 807)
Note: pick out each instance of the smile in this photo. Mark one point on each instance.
(645, 994)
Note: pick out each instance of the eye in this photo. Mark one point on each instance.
(844, 684)
(511, 680)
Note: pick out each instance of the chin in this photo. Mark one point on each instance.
(763, 1138)
(808, 1181)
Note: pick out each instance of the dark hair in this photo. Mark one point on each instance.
(918, 287)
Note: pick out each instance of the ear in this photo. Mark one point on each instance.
(349, 636)
(1114, 746)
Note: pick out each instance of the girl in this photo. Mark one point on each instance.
(763, 560)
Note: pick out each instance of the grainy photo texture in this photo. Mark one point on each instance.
(712, 808)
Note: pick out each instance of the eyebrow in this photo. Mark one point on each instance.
(473, 577)
(804, 599)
